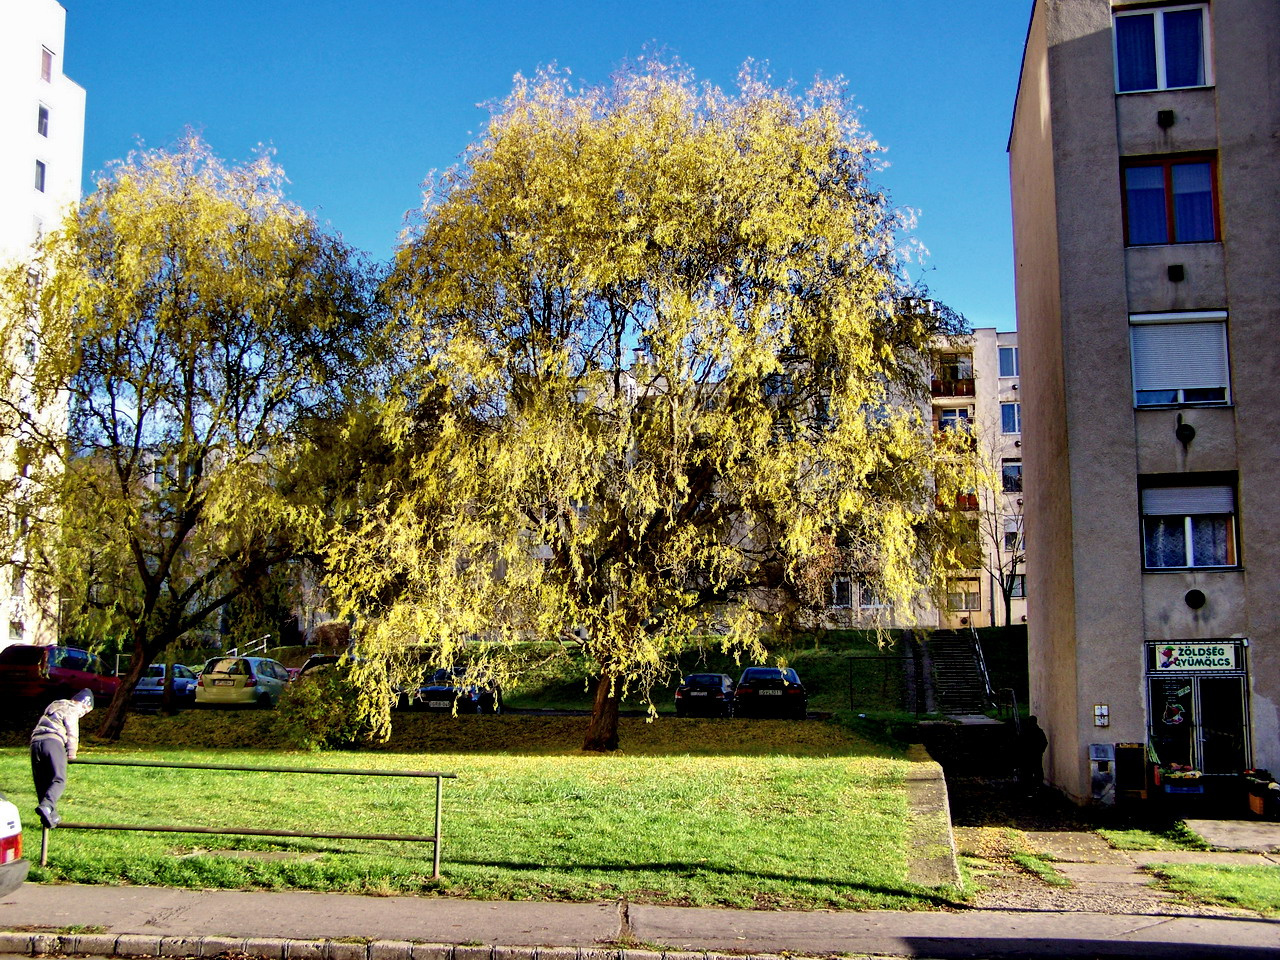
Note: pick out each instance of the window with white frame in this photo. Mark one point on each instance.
(1008, 361)
(42, 120)
(1189, 526)
(1179, 358)
(868, 598)
(1013, 534)
(1011, 476)
(46, 64)
(954, 418)
(964, 595)
(1010, 418)
(40, 175)
(1162, 48)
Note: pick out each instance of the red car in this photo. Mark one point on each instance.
(39, 673)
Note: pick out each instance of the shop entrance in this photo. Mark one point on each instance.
(1197, 705)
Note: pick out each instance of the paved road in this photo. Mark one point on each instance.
(135, 921)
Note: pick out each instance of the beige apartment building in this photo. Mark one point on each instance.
(41, 144)
(974, 389)
(1145, 172)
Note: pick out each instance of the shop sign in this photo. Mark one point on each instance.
(1173, 657)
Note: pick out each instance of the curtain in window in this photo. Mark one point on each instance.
(1210, 541)
(1193, 202)
(1144, 197)
(1184, 48)
(1136, 52)
(1165, 540)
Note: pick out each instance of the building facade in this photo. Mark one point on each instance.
(41, 145)
(974, 389)
(1145, 171)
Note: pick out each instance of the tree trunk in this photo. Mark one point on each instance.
(118, 710)
(602, 734)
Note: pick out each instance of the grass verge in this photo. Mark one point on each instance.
(1175, 836)
(706, 813)
(1251, 888)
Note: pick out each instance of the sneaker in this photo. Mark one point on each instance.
(48, 817)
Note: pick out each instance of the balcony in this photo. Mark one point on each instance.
(962, 387)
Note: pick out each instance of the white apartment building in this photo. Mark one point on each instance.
(974, 388)
(41, 146)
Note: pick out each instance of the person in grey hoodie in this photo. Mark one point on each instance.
(53, 742)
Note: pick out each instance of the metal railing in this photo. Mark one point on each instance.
(434, 839)
(250, 648)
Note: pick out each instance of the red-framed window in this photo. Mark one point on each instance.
(1170, 200)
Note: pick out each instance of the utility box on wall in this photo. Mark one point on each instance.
(1102, 772)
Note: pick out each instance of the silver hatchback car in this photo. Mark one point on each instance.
(241, 681)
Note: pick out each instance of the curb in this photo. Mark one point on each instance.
(276, 948)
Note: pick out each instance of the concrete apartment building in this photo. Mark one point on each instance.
(41, 145)
(974, 388)
(1145, 172)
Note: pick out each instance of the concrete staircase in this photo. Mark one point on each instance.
(960, 684)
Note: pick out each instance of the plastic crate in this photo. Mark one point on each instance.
(1171, 786)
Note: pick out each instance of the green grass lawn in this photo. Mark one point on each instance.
(796, 815)
(1253, 888)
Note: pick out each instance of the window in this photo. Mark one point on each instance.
(18, 587)
(1010, 418)
(1161, 49)
(40, 171)
(963, 595)
(1170, 200)
(954, 418)
(868, 599)
(955, 366)
(46, 64)
(1008, 361)
(15, 631)
(1011, 476)
(42, 120)
(1013, 534)
(1179, 358)
(1018, 586)
(841, 590)
(1188, 527)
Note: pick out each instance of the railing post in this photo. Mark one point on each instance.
(435, 856)
(44, 845)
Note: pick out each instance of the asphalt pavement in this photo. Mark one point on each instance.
(155, 921)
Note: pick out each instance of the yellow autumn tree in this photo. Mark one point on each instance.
(656, 365)
(163, 350)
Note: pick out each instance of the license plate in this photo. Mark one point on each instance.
(223, 683)
(770, 693)
(438, 704)
(697, 693)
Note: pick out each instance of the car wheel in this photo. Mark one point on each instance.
(265, 702)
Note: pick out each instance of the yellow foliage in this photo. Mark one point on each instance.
(662, 337)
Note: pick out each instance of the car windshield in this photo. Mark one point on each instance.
(770, 673)
(229, 665)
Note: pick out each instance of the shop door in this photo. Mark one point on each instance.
(1223, 748)
(1200, 721)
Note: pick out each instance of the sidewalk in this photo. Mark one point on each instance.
(153, 921)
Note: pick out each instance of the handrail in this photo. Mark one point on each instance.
(982, 666)
(434, 839)
(251, 647)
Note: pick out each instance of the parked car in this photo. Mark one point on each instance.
(444, 687)
(32, 672)
(242, 681)
(317, 661)
(13, 869)
(705, 694)
(149, 693)
(770, 692)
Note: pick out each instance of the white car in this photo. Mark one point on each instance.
(13, 869)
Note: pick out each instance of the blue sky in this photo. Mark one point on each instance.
(362, 101)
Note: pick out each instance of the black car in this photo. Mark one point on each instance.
(705, 695)
(444, 687)
(770, 692)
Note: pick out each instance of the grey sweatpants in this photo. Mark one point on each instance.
(49, 771)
